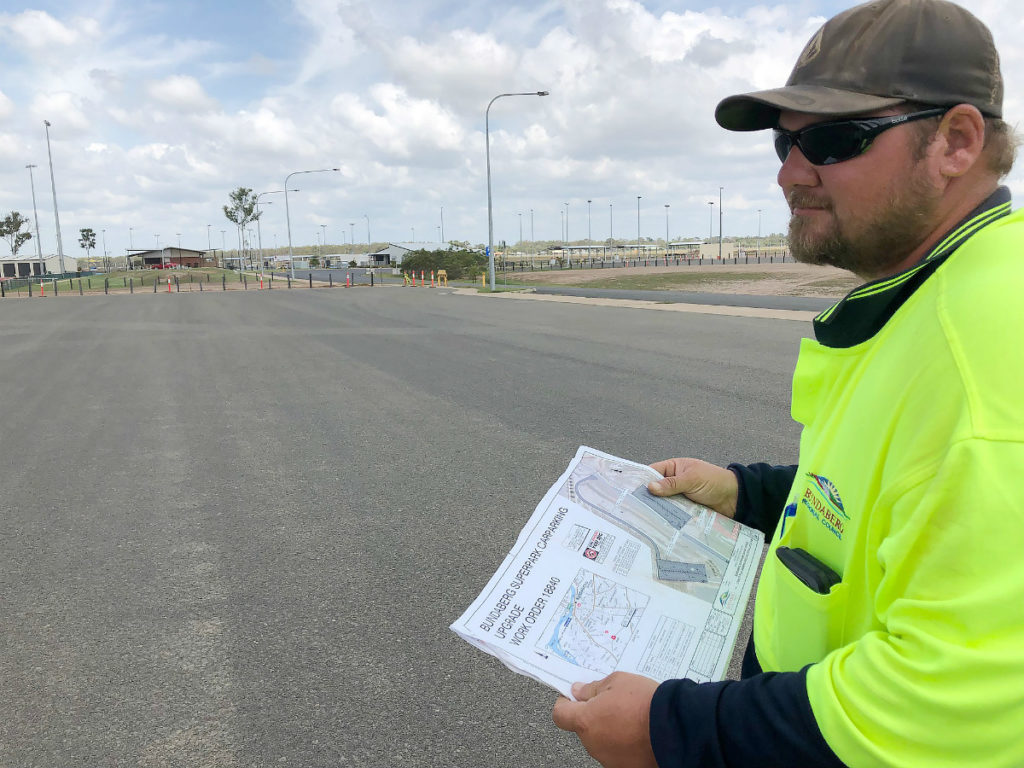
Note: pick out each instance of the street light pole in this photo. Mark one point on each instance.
(352, 230)
(53, 186)
(367, 217)
(490, 212)
(103, 234)
(759, 230)
(711, 219)
(588, 222)
(442, 223)
(666, 232)
(35, 216)
(566, 223)
(638, 226)
(611, 223)
(720, 223)
(287, 213)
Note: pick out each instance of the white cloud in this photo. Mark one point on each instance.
(181, 93)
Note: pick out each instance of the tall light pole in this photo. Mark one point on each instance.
(588, 222)
(666, 231)
(520, 231)
(287, 212)
(35, 216)
(490, 213)
(711, 219)
(352, 229)
(561, 225)
(367, 217)
(720, 223)
(611, 222)
(53, 186)
(103, 234)
(324, 228)
(259, 229)
(638, 198)
(758, 230)
(566, 223)
(441, 230)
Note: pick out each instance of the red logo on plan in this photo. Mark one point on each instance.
(590, 554)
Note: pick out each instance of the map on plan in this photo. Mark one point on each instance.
(594, 622)
(690, 545)
(605, 576)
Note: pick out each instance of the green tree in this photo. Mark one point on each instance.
(460, 265)
(87, 241)
(241, 210)
(10, 230)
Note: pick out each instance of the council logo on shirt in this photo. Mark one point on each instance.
(821, 499)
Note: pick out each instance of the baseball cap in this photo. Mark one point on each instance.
(877, 55)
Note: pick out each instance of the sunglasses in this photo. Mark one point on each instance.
(830, 143)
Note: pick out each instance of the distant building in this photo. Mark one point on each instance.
(186, 257)
(25, 266)
(395, 252)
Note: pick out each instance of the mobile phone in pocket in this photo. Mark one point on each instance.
(808, 569)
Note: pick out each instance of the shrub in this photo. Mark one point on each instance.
(460, 265)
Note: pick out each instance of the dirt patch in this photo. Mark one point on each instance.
(759, 279)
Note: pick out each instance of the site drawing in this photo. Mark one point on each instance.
(594, 622)
(690, 545)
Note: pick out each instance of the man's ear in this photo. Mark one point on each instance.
(962, 131)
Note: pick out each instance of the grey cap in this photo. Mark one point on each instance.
(877, 55)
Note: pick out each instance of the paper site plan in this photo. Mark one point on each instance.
(606, 576)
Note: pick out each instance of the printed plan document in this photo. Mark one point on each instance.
(606, 576)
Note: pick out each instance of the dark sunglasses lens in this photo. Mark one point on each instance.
(783, 144)
(828, 144)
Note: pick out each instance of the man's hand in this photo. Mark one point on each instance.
(704, 483)
(612, 717)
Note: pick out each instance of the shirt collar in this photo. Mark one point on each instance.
(865, 310)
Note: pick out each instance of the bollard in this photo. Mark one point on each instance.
(289, 281)
(245, 282)
(348, 279)
(330, 279)
(125, 281)
(54, 287)
(106, 286)
(154, 284)
(71, 284)
(371, 279)
(200, 286)
(131, 285)
(223, 282)
(3, 291)
(30, 289)
(431, 278)
(42, 289)
(261, 283)
(310, 279)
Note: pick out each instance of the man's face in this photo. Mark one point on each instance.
(867, 214)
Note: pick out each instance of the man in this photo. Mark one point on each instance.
(889, 618)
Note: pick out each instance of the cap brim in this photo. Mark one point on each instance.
(760, 110)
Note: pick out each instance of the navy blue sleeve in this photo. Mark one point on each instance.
(761, 722)
(763, 491)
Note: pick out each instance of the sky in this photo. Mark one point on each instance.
(160, 108)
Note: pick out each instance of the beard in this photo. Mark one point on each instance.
(872, 243)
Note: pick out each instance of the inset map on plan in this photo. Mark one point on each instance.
(594, 622)
(690, 545)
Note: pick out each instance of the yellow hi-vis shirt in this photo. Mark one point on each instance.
(911, 487)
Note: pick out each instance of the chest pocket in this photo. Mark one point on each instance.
(810, 624)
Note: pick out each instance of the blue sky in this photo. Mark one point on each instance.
(160, 109)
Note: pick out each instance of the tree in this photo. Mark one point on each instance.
(87, 241)
(241, 210)
(10, 230)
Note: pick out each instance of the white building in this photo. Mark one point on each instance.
(395, 252)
